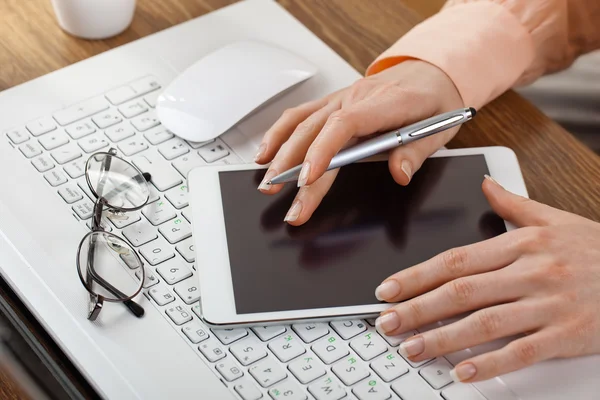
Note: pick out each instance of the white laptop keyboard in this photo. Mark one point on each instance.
(343, 359)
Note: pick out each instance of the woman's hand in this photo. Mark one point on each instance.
(314, 132)
(542, 280)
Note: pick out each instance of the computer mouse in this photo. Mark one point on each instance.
(222, 88)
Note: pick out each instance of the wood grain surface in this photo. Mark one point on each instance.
(558, 169)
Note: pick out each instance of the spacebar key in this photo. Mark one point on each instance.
(413, 387)
(461, 391)
(81, 110)
(164, 176)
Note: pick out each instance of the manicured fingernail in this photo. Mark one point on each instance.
(261, 151)
(463, 372)
(303, 177)
(489, 178)
(294, 211)
(412, 347)
(387, 290)
(405, 166)
(268, 176)
(388, 322)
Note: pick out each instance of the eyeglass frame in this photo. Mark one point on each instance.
(96, 301)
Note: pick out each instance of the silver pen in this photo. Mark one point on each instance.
(387, 141)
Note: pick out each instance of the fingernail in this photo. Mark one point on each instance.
(268, 176)
(387, 290)
(261, 151)
(303, 177)
(294, 211)
(388, 322)
(463, 372)
(489, 178)
(412, 347)
(405, 166)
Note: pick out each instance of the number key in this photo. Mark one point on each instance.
(173, 272)
(157, 251)
(186, 249)
(288, 390)
(248, 351)
(267, 372)
(188, 291)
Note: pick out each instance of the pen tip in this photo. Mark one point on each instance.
(473, 112)
(268, 183)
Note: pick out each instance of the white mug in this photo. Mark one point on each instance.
(94, 19)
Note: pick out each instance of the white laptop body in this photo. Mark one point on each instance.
(150, 358)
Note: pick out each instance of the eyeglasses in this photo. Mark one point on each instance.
(103, 259)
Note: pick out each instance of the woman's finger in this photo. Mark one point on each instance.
(480, 327)
(283, 128)
(455, 297)
(485, 256)
(293, 150)
(405, 161)
(518, 354)
(308, 199)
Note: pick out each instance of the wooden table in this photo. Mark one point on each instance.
(558, 169)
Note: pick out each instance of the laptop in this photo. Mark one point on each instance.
(50, 126)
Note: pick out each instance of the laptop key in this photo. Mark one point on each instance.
(151, 99)
(248, 351)
(80, 129)
(81, 110)
(140, 233)
(122, 221)
(66, 153)
(18, 135)
(186, 249)
(157, 251)
(212, 350)
(415, 364)
(195, 332)
(176, 230)
(133, 108)
(157, 135)
(75, 169)
(164, 177)
(247, 390)
(348, 329)
(230, 335)
(288, 390)
(174, 272)
(307, 369)
(173, 148)
(229, 370)
(161, 295)
(42, 163)
(461, 391)
(213, 152)
(287, 348)
(150, 279)
(371, 389)
(188, 291)
(106, 119)
(41, 126)
(84, 209)
(119, 132)
(55, 177)
(70, 193)
(93, 143)
(188, 162)
(159, 212)
(267, 372)
(330, 349)
(327, 389)
(311, 332)
(178, 314)
(30, 149)
(412, 387)
(145, 85)
(132, 147)
(178, 196)
(389, 366)
(350, 370)
(53, 140)
(369, 345)
(145, 121)
(266, 333)
(397, 339)
(121, 95)
(437, 374)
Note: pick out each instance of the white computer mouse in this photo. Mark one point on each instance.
(223, 87)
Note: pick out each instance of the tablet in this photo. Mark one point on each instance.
(256, 269)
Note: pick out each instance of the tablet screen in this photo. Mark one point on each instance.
(366, 228)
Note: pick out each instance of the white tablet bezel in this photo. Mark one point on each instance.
(212, 256)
